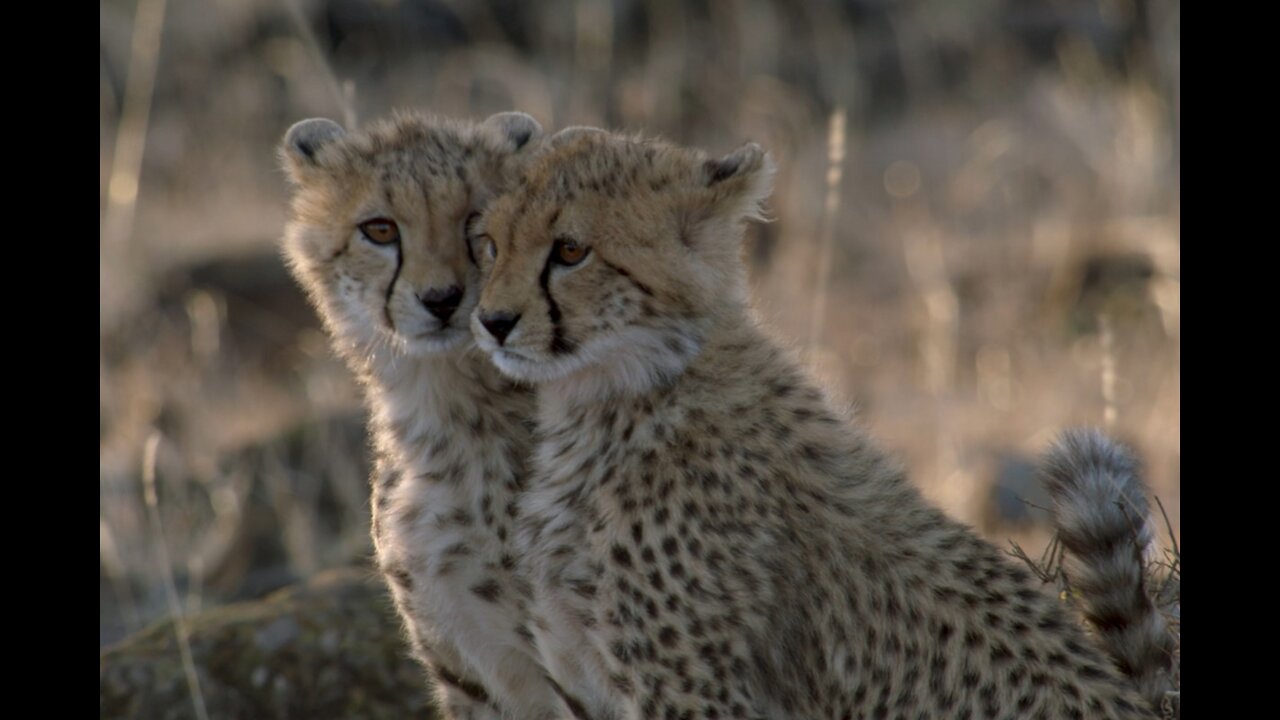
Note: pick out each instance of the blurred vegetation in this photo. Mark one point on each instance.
(996, 257)
(329, 648)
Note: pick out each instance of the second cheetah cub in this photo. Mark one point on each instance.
(706, 535)
(377, 236)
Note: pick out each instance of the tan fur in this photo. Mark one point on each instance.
(705, 534)
(452, 436)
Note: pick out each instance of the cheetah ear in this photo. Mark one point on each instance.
(571, 133)
(739, 182)
(517, 129)
(722, 193)
(304, 140)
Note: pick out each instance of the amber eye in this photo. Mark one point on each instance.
(380, 231)
(568, 252)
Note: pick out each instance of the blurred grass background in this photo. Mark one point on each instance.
(976, 236)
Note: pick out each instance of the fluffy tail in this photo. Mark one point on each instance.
(1101, 514)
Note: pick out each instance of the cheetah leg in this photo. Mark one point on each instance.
(482, 614)
(459, 696)
(464, 690)
(455, 598)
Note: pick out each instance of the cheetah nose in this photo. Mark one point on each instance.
(442, 303)
(499, 324)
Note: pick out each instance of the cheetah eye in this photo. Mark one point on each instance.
(380, 231)
(488, 247)
(567, 252)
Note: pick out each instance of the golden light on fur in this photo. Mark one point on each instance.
(686, 469)
(380, 236)
(1035, 170)
(589, 209)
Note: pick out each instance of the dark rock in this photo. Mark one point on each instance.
(1018, 497)
(329, 648)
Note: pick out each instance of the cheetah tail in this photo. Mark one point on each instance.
(1101, 514)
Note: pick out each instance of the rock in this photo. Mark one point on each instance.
(1017, 498)
(328, 648)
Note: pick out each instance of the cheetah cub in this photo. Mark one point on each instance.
(377, 236)
(705, 535)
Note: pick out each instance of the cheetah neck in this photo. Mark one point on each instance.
(741, 379)
(640, 362)
(724, 349)
(431, 413)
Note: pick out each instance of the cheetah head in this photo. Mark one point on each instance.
(379, 218)
(613, 257)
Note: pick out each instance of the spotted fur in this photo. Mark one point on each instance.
(706, 534)
(452, 435)
(1103, 519)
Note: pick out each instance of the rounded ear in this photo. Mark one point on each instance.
(572, 133)
(305, 138)
(740, 181)
(516, 128)
(308, 136)
(746, 160)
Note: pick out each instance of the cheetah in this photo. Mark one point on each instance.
(1102, 517)
(377, 237)
(705, 533)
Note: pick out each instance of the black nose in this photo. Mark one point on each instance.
(499, 324)
(442, 303)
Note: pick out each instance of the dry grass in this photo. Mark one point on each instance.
(1163, 570)
(1008, 175)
